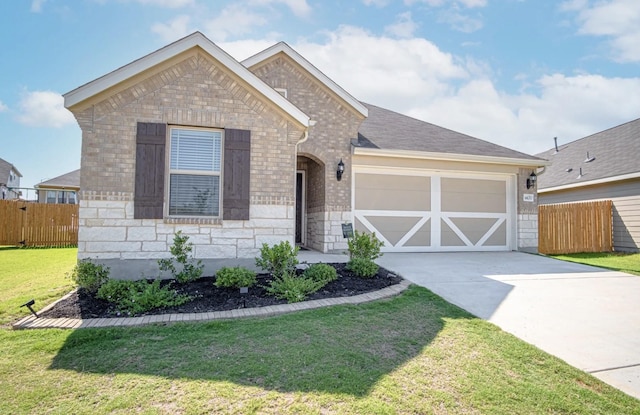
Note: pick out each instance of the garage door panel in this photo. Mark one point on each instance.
(449, 237)
(499, 237)
(422, 237)
(433, 212)
(384, 192)
(473, 195)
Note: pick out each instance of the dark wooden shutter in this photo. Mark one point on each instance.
(236, 175)
(149, 186)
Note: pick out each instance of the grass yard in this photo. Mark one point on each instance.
(413, 354)
(617, 261)
(27, 274)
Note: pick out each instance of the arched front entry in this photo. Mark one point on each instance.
(310, 202)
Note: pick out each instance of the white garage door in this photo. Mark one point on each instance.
(422, 212)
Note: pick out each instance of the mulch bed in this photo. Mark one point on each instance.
(207, 297)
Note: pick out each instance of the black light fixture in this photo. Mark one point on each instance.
(531, 180)
(29, 304)
(340, 170)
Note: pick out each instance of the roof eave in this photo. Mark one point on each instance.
(111, 79)
(300, 60)
(590, 182)
(469, 158)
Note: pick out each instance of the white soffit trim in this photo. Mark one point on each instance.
(300, 60)
(195, 39)
(449, 157)
(591, 182)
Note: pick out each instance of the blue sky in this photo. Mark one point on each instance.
(514, 72)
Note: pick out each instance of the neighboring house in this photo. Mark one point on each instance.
(9, 181)
(240, 154)
(61, 189)
(602, 166)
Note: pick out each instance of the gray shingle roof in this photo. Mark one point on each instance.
(390, 130)
(5, 167)
(616, 152)
(71, 179)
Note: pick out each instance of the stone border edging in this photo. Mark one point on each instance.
(31, 322)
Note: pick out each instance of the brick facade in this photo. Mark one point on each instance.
(328, 200)
(527, 214)
(193, 89)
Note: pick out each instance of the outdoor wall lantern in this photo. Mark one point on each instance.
(340, 170)
(531, 180)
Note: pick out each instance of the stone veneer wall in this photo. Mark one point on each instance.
(190, 90)
(527, 214)
(329, 142)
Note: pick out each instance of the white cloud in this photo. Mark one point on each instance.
(174, 29)
(377, 3)
(414, 77)
(170, 4)
(43, 109)
(234, 20)
(403, 27)
(299, 7)
(618, 20)
(3, 107)
(455, 3)
(36, 6)
(460, 21)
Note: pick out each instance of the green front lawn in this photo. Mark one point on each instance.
(38, 274)
(413, 354)
(617, 261)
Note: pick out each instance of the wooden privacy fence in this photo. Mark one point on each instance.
(38, 224)
(575, 227)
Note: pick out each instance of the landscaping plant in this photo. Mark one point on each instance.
(278, 259)
(89, 276)
(292, 288)
(364, 245)
(321, 273)
(181, 251)
(364, 248)
(236, 277)
(134, 297)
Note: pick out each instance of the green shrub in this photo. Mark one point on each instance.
(292, 288)
(89, 276)
(362, 267)
(278, 259)
(181, 251)
(236, 277)
(134, 297)
(364, 245)
(321, 273)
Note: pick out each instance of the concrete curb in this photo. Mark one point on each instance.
(31, 322)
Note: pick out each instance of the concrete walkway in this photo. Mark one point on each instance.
(589, 317)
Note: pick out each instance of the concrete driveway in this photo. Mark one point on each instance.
(589, 317)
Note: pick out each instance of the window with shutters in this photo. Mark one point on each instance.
(195, 161)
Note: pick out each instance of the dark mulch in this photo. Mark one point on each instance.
(207, 297)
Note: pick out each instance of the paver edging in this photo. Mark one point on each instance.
(31, 322)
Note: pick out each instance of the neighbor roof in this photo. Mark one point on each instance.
(5, 167)
(391, 131)
(615, 153)
(282, 47)
(195, 39)
(67, 180)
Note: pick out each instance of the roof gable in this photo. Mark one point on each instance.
(5, 168)
(615, 155)
(282, 47)
(71, 179)
(387, 130)
(196, 39)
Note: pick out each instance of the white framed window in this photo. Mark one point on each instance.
(195, 162)
(51, 196)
